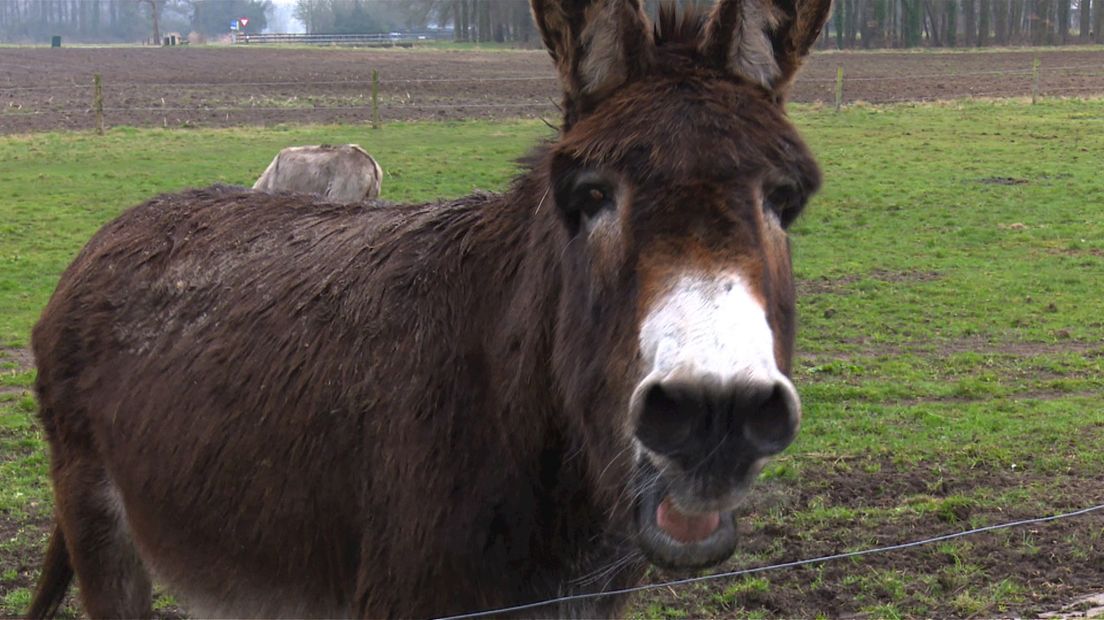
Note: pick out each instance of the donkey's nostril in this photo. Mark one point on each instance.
(667, 419)
(693, 422)
(771, 425)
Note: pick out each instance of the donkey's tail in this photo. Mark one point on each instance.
(57, 572)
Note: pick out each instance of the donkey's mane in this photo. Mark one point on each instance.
(674, 27)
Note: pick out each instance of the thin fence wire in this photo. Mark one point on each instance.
(201, 109)
(445, 106)
(534, 78)
(952, 74)
(1087, 91)
(937, 98)
(1082, 89)
(50, 87)
(762, 569)
(1072, 91)
(383, 106)
(363, 82)
(489, 79)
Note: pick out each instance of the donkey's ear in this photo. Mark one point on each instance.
(597, 45)
(764, 40)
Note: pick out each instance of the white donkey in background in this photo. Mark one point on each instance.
(343, 173)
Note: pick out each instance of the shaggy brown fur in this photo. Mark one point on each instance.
(286, 408)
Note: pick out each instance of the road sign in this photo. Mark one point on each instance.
(244, 21)
(234, 25)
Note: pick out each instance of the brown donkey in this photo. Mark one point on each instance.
(280, 408)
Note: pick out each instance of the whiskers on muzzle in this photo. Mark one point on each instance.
(627, 555)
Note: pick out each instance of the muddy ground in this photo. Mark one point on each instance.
(51, 89)
(1055, 565)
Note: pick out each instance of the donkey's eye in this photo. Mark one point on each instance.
(590, 196)
(589, 199)
(582, 196)
(786, 202)
(771, 208)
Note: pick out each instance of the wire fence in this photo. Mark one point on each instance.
(401, 98)
(429, 106)
(774, 567)
(902, 77)
(298, 84)
(954, 74)
(1097, 69)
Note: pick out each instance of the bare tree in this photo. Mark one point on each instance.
(456, 20)
(1098, 21)
(969, 13)
(1085, 13)
(1038, 21)
(950, 22)
(1059, 21)
(984, 13)
(1017, 16)
(153, 13)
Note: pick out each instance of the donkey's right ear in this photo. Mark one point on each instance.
(597, 45)
(764, 41)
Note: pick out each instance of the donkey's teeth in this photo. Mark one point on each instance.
(685, 528)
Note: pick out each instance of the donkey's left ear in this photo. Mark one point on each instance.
(764, 41)
(597, 45)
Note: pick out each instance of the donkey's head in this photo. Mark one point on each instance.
(674, 179)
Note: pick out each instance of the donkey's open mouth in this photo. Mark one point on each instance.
(674, 537)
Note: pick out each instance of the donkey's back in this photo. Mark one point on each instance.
(158, 383)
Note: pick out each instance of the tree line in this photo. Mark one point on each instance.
(963, 23)
(854, 23)
(349, 16)
(105, 21)
(472, 20)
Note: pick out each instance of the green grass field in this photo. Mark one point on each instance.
(951, 343)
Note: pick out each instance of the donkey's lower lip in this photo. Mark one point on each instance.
(685, 527)
(675, 540)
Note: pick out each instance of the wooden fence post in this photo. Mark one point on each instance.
(1035, 81)
(97, 102)
(375, 99)
(839, 87)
